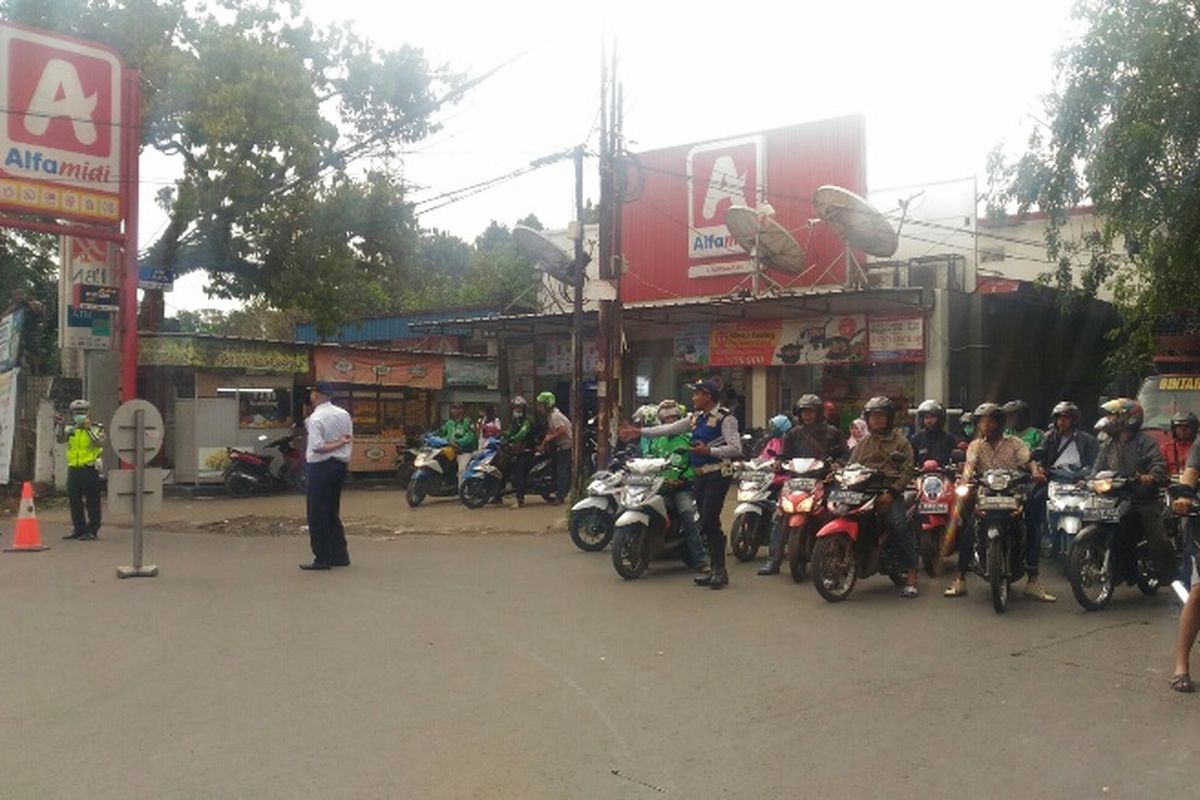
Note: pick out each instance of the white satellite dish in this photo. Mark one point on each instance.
(768, 243)
(546, 255)
(856, 221)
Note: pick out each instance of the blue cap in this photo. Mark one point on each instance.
(324, 388)
(710, 387)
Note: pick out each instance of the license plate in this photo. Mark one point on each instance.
(1101, 514)
(934, 508)
(847, 497)
(998, 503)
(802, 484)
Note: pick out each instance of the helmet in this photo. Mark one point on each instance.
(547, 399)
(1182, 418)
(1065, 409)
(518, 402)
(780, 424)
(932, 408)
(668, 409)
(881, 403)
(1119, 414)
(1018, 409)
(808, 401)
(80, 406)
(989, 410)
(646, 415)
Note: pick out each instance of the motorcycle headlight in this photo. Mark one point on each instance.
(1102, 485)
(804, 506)
(997, 482)
(786, 504)
(962, 490)
(933, 486)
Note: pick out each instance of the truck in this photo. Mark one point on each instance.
(1175, 384)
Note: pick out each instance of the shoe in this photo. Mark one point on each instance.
(344, 563)
(956, 589)
(909, 592)
(87, 537)
(719, 580)
(703, 580)
(316, 565)
(74, 535)
(769, 568)
(1034, 591)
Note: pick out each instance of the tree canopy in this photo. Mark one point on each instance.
(1122, 133)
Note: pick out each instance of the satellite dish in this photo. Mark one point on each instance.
(546, 255)
(856, 221)
(765, 239)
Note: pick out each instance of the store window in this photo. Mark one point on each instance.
(261, 407)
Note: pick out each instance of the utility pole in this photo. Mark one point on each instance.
(580, 266)
(609, 323)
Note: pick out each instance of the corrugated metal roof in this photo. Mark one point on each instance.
(393, 328)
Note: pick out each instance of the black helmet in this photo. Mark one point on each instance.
(1181, 418)
(932, 408)
(808, 401)
(990, 410)
(1065, 408)
(881, 403)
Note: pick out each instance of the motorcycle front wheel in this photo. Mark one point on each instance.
(591, 529)
(743, 537)
(834, 567)
(238, 483)
(996, 576)
(418, 487)
(1091, 583)
(931, 551)
(630, 554)
(476, 492)
(797, 558)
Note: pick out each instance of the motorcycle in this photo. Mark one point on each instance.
(435, 471)
(999, 556)
(853, 544)
(1066, 495)
(249, 472)
(483, 479)
(1112, 547)
(543, 479)
(757, 496)
(592, 518)
(801, 507)
(647, 527)
(935, 506)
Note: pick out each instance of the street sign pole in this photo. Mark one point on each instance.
(143, 421)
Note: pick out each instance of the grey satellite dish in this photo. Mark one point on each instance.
(546, 255)
(856, 221)
(765, 239)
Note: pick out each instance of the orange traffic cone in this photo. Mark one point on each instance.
(27, 538)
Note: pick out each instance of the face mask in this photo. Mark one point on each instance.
(79, 418)
(518, 413)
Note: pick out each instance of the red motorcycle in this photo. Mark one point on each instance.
(935, 509)
(249, 472)
(801, 509)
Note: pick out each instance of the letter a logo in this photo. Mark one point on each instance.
(60, 93)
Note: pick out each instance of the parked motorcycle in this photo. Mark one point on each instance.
(936, 505)
(647, 526)
(435, 471)
(801, 510)
(853, 545)
(542, 479)
(757, 497)
(483, 479)
(250, 472)
(1112, 547)
(593, 517)
(999, 557)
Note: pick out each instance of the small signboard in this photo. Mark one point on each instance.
(120, 491)
(88, 330)
(122, 431)
(97, 298)
(156, 278)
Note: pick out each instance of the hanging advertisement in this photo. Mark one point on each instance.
(8, 421)
(897, 338)
(743, 344)
(691, 346)
(835, 339)
(367, 368)
(472, 372)
(554, 358)
(11, 326)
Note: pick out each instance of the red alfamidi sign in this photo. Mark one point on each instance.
(60, 139)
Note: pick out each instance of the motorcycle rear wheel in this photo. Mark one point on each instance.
(238, 484)
(629, 551)
(996, 576)
(1085, 571)
(834, 567)
(297, 480)
(797, 558)
(417, 489)
(931, 552)
(743, 537)
(591, 529)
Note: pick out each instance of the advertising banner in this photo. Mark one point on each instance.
(97, 298)
(472, 372)
(10, 339)
(379, 368)
(88, 330)
(8, 421)
(743, 344)
(156, 278)
(897, 337)
(691, 346)
(837, 339)
(554, 358)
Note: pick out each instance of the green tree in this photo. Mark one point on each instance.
(29, 279)
(1121, 133)
(267, 113)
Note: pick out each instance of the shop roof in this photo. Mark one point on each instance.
(393, 327)
(211, 337)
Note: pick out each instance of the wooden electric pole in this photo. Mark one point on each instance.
(578, 417)
(609, 332)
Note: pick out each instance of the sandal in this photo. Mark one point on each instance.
(1182, 683)
(908, 591)
(956, 589)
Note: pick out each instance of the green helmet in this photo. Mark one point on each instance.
(547, 399)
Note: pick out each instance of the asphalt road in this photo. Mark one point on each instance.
(517, 667)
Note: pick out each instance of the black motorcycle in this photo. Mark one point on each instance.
(250, 472)
(1112, 548)
(999, 558)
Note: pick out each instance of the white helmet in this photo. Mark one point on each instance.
(80, 406)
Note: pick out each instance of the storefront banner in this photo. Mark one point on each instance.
(472, 372)
(554, 358)
(691, 346)
(743, 344)
(8, 420)
(379, 368)
(838, 339)
(11, 326)
(897, 338)
(185, 351)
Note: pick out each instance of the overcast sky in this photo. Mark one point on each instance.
(940, 83)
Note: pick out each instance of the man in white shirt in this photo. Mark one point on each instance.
(330, 432)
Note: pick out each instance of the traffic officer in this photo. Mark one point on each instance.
(85, 446)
